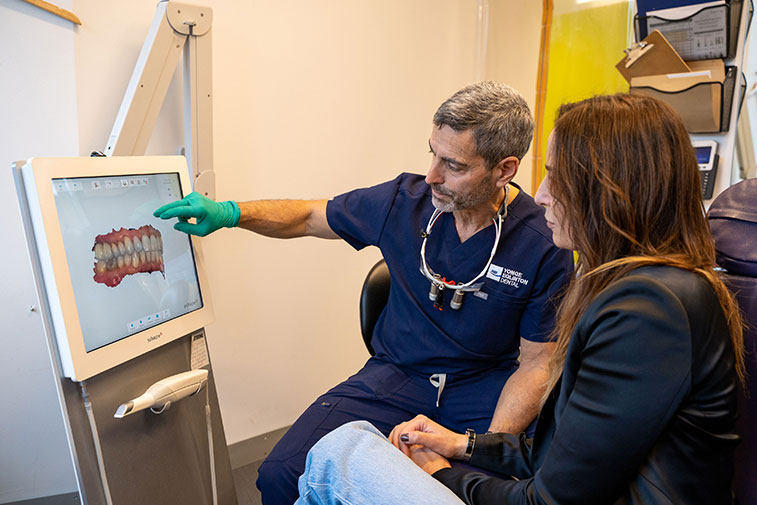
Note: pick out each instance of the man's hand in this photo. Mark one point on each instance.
(429, 461)
(210, 215)
(422, 431)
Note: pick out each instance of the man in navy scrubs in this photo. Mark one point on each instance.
(480, 366)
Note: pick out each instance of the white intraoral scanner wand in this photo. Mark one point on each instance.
(163, 393)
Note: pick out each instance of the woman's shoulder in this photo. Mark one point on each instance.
(670, 291)
(679, 283)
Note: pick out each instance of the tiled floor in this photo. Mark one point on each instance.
(244, 481)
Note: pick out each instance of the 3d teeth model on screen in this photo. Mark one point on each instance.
(125, 252)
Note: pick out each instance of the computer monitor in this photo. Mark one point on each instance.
(118, 281)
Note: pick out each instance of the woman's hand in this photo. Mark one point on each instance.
(422, 431)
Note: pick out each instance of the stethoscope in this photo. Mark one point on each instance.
(436, 293)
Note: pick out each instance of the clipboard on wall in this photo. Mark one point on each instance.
(652, 56)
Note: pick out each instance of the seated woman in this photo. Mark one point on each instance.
(641, 402)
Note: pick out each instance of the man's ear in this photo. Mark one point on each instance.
(505, 170)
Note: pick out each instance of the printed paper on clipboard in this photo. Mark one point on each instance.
(696, 31)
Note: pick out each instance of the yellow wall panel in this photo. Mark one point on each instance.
(586, 40)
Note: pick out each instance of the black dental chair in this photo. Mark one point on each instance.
(373, 298)
(733, 221)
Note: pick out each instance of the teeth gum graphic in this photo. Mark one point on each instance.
(125, 252)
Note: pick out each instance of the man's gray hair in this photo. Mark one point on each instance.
(498, 115)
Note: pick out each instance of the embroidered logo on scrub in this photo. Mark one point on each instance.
(506, 276)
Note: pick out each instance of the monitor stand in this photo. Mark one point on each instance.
(147, 457)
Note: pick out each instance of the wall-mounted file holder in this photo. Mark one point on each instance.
(702, 98)
(697, 32)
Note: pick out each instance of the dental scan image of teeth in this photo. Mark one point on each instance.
(124, 252)
(129, 270)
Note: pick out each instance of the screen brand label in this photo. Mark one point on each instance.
(155, 337)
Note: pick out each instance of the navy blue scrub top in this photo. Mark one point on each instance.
(516, 300)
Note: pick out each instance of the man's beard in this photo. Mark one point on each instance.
(462, 201)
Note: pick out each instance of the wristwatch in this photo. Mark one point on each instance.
(471, 444)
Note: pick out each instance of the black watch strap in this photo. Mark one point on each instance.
(471, 444)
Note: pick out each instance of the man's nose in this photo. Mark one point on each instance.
(433, 176)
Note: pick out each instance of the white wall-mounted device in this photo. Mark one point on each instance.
(707, 159)
(163, 393)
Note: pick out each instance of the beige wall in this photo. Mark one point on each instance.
(513, 57)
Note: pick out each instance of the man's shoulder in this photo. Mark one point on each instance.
(413, 184)
(530, 217)
(406, 191)
(407, 183)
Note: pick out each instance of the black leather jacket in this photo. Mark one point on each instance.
(644, 412)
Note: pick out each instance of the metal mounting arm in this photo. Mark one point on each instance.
(176, 28)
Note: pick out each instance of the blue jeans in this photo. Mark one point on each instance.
(356, 465)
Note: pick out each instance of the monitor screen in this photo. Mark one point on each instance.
(703, 154)
(129, 270)
(117, 282)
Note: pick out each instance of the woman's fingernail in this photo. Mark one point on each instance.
(404, 437)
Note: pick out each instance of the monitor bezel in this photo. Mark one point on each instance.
(76, 362)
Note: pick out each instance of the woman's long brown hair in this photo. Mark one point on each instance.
(624, 174)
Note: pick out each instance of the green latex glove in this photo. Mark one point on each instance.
(210, 215)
